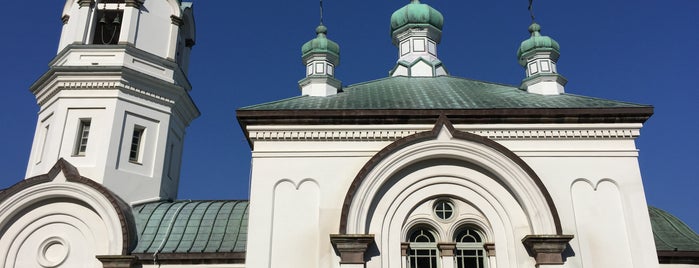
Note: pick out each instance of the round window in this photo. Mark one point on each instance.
(443, 209)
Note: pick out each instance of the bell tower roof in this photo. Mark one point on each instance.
(537, 42)
(416, 13)
(320, 44)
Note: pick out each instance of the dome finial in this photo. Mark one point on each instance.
(535, 29)
(531, 11)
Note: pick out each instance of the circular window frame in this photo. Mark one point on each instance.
(436, 211)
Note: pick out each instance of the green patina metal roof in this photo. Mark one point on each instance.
(671, 233)
(320, 44)
(438, 93)
(191, 226)
(536, 42)
(416, 13)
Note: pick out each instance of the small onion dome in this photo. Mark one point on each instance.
(536, 42)
(416, 13)
(321, 44)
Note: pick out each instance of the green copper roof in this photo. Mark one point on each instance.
(536, 42)
(671, 233)
(191, 226)
(320, 44)
(416, 13)
(444, 92)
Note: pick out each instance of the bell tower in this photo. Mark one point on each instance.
(115, 101)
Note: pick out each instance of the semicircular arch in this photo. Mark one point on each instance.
(444, 142)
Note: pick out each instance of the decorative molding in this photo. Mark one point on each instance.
(118, 261)
(177, 20)
(65, 19)
(134, 3)
(446, 249)
(517, 134)
(85, 3)
(391, 134)
(102, 85)
(547, 249)
(352, 247)
(409, 146)
(333, 134)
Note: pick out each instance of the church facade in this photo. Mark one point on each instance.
(419, 169)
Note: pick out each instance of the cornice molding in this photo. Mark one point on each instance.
(392, 133)
(134, 3)
(85, 3)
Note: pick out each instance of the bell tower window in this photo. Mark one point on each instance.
(108, 24)
(136, 150)
(83, 135)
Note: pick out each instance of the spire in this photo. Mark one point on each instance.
(416, 29)
(320, 56)
(538, 55)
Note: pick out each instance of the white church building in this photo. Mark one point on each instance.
(416, 170)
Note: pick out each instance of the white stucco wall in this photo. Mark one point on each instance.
(590, 171)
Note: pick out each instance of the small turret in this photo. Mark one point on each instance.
(416, 29)
(320, 56)
(538, 55)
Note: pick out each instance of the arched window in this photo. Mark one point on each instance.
(108, 16)
(423, 249)
(469, 249)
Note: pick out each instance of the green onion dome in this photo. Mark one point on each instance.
(321, 44)
(416, 13)
(536, 42)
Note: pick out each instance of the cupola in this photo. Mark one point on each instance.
(538, 55)
(320, 56)
(416, 29)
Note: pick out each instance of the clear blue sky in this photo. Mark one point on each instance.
(248, 52)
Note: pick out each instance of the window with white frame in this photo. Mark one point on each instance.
(469, 251)
(444, 209)
(136, 149)
(82, 137)
(440, 236)
(423, 248)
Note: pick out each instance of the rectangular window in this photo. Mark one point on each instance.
(83, 134)
(136, 144)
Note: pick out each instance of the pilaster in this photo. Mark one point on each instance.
(490, 253)
(446, 251)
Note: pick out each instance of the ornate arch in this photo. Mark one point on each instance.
(65, 211)
(444, 141)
